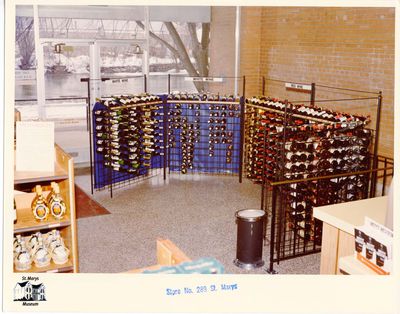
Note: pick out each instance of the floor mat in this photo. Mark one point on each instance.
(86, 206)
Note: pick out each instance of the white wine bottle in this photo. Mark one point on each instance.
(39, 206)
(57, 204)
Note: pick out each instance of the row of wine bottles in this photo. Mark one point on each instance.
(302, 197)
(278, 150)
(321, 153)
(261, 143)
(202, 97)
(129, 136)
(128, 100)
(307, 111)
(193, 125)
(304, 152)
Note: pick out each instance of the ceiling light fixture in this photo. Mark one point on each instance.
(138, 50)
(58, 47)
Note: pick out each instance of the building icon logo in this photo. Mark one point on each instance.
(26, 291)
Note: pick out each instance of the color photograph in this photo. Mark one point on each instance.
(249, 142)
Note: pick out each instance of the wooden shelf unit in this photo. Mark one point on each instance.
(26, 223)
(60, 171)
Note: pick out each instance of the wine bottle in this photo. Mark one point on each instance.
(148, 150)
(57, 204)
(39, 206)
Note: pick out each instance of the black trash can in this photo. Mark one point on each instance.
(250, 232)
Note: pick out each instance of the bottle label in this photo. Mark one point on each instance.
(40, 211)
(57, 209)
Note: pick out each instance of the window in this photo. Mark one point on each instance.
(179, 49)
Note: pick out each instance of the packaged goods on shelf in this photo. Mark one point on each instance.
(42, 249)
(374, 246)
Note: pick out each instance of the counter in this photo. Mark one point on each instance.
(339, 221)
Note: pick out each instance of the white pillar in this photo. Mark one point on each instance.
(147, 41)
(95, 75)
(237, 49)
(40, 83)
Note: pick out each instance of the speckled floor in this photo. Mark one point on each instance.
(195, 212)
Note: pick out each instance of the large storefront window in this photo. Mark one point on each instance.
(179, 49)
(123, 64)
(112, 40)
(25, 67)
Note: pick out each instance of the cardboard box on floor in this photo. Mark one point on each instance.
(168, 254)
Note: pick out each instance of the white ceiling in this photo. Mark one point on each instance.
(114, 12)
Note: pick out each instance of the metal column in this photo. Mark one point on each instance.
(40, 83)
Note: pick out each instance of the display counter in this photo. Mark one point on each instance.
(339, 221)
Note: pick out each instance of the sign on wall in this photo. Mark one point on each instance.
(301, 87)
(205, 79)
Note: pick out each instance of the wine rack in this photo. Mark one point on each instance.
(204, 133)
(302, 156)
(127, 139)
(304, 151)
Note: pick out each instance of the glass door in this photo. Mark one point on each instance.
(122, 63)
(65, 65)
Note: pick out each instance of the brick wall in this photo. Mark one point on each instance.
(250, 48)
(344, 47)
(222, 48)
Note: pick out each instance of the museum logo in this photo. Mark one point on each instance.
(29, 293)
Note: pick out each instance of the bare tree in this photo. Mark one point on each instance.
(25, 41)
(179, 51)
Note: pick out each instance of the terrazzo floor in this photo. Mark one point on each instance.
(196, 212)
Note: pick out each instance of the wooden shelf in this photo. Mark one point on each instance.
(52, 268)
(350, 265)
(39, 176)
(26, 223)
(60, 172)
